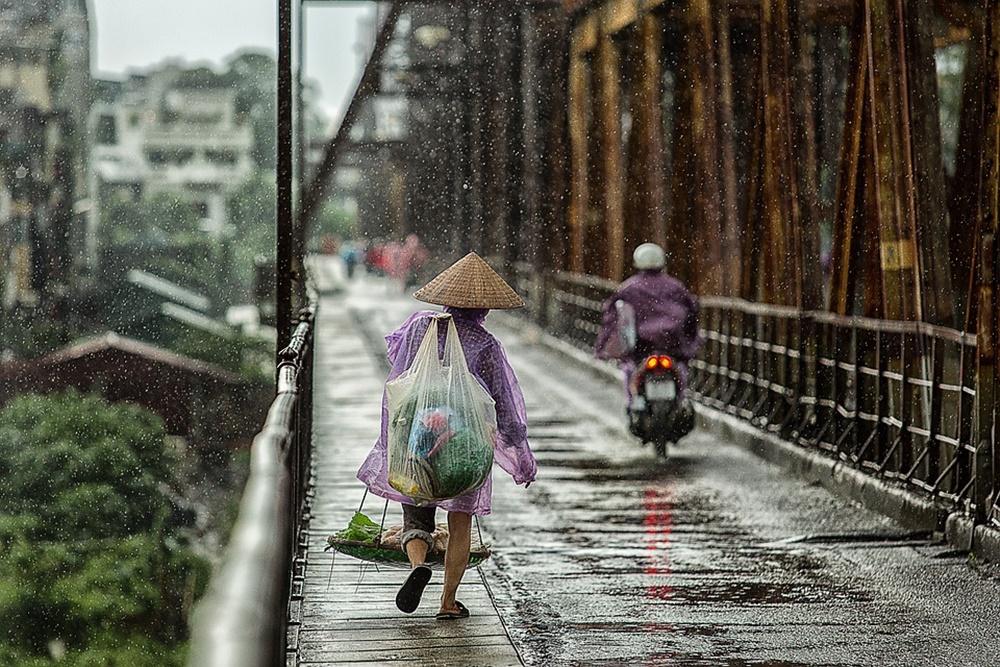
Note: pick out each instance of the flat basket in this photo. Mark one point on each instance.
(393, 556)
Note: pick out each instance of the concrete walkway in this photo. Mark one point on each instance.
(348, 613)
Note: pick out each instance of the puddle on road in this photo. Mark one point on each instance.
(734, 592)
(658, 644)
(625, 559)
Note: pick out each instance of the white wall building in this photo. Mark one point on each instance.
(156, 136)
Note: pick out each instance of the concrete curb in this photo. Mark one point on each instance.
(901, 505)
(966, 535)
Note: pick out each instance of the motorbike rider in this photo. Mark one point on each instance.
(653, 312)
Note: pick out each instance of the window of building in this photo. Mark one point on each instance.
(107, 130)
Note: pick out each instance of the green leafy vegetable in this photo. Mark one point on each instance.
(360, 529)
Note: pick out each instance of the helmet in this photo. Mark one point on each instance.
(649, 256)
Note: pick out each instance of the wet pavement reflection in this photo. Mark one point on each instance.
(615, 558)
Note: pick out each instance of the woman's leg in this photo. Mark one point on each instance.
(456, 558)
(416, 538)
(418, 524)
(416, 551)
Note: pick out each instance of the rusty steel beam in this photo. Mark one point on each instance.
(961, 13)
(491, 4)
(783, 214)
(893, 176)
(681, 214)
(849, 227)
(891, 230)
(926, 163)
(787, 204)
(731, 224)
(649, 131)
(986, 281)
(578, 108)
(707, 26)
(367, 86)
(608, 102)
(554, 206)
(643, 70)
(967, 191)
(814, 12)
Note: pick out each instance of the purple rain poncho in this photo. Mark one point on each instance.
(488, 362)
(666, 317)
(666, 320)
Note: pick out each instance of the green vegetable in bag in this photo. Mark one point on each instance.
(462, 464)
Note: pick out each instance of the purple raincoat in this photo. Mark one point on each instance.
(488, 362)
(666, 317)
(666, 320)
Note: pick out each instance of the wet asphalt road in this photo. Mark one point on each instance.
(710, 558)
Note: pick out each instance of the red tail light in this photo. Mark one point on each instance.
(659, 361)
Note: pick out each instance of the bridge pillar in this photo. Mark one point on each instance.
(984, 309)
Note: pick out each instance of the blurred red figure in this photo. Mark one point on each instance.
(375, 261)
(392, 258)
(413, 257)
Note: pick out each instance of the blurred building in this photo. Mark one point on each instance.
(169, 131)
(206, 405)
(45, 93)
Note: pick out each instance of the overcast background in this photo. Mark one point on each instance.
(135, 34)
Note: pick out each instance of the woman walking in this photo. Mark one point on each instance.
(468, 290)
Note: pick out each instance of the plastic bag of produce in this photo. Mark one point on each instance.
(442, 423)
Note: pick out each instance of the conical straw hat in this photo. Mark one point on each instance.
(470, 283)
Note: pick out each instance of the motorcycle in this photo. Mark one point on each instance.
(658, 412)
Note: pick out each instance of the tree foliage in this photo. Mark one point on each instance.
(163, 233)
(82, 468)
(88, 559)
(252, 212)
(334, 219)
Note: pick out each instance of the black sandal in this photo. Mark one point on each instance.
(453, 615)
(408, 597)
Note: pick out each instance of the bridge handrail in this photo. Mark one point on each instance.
(894, 399)
(847, 321)
(241, 621)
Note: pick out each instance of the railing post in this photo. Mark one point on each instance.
(284, 224)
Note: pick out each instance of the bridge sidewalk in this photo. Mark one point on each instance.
(347, 614)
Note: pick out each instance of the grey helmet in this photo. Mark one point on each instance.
(649, 256)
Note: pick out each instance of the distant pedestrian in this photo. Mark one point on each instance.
(413, 257)
(468, 290)
(375, 259)
(351, 253)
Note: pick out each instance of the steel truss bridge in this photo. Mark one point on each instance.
(789, 154)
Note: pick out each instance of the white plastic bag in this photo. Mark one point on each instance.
(442, 423)
(621, 343)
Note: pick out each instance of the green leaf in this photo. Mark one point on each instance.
(360, 529)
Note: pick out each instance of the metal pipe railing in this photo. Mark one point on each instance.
(887, 397)
(241, 622)
(891, 398)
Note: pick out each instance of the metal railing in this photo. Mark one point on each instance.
(566, 304)
(242, 620)
(893, 399)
